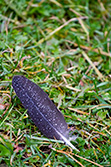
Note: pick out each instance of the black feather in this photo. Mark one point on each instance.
(41, 109)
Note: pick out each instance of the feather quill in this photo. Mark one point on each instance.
(41, 109)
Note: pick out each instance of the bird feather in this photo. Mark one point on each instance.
(41, 109)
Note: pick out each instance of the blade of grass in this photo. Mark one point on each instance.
(92, 64)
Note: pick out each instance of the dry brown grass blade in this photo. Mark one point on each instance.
(78, 111)
(55, 2)
(58, 29)
(81, 22)
(92, 65)
(99, 105)
(72, 88)
(98, 50)
(88, 160)
(68, 154)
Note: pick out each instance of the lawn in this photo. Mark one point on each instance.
(65, 48)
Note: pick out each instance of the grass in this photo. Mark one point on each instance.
(64, 47)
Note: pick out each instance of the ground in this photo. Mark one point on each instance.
(65, 48)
